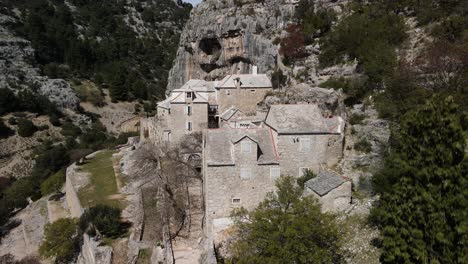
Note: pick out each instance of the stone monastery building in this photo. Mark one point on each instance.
(246, 148)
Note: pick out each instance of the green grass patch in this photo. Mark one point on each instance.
(144, 256)
(102, 184)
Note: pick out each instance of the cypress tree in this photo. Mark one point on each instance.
(422, 212)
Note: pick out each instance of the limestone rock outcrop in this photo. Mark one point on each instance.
(329, 101)
(18, 69)
(228, 37)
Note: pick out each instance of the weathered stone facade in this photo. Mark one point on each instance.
(295, 158)
(224, 185)
(181, 118)
(199, 104)
(245, 100)
(292, 140)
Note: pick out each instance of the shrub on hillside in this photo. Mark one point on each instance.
(354, 88)
(50, 159)
(4, 130)
(10, 259)
(12, 121)
(304, 178)
(61, 241)
(4, 183)
(292, 46)
(314, 21)
(363, 145)
(369, 35)
(356, 119)
(53, 183)
(8, 101)
(278, 79)
(70, 130)
(105, 219)
(16, 195)
(26, 128)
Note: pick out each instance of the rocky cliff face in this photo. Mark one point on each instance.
(230, 36)
(223, 37)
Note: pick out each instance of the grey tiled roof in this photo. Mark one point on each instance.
(219, 145)
(197, 86)
(300, 119)
(228, 113)
(247, 81)
(165, 104)
(324, 182)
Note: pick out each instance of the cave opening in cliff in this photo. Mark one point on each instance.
(208, 67)
(238, 59)
(210, 46)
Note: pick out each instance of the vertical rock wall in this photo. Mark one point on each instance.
(226, 37)
(222, 37)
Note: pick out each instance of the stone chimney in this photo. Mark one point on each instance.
(237, 82)
(254, 70)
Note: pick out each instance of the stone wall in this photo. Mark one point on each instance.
(243, 99)
(292, 158)
(338, 199)
(129, 125)
(223, 183)
(92, 253)
(178, 118)
(335, 149)
(151, 129)
(72, 184)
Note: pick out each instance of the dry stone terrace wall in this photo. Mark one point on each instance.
(74, 181)
(93, 253)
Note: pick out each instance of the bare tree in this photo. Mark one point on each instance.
(442, 66)
(170, 168)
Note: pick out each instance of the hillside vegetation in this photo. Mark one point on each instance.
(376, 35)
(125, 45)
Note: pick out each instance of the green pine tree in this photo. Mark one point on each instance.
(423, 209)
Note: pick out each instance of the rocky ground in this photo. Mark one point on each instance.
(16, 152)
(360, 238)
(116, 117)
(25, 238)
(358, 165)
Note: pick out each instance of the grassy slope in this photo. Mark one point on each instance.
(102, 181)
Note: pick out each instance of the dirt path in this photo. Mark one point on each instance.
(187, 249)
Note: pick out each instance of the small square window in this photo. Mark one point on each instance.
(245, 146)
(275, 173)
(245, 173)
(236, 200)
(304, 144)
(167, 136)
(189, 95)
